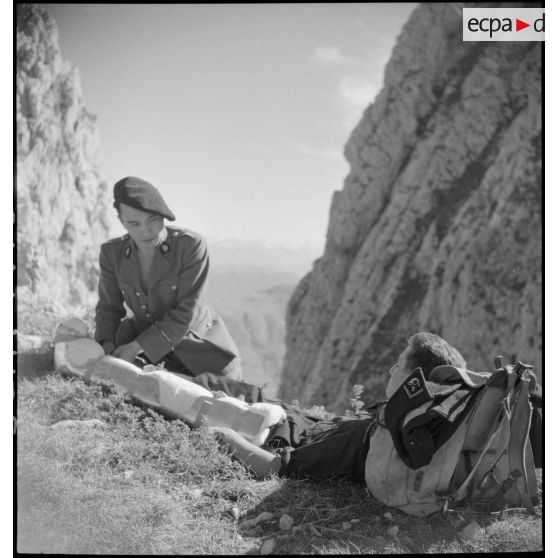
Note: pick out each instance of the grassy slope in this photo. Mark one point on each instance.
(137, 483)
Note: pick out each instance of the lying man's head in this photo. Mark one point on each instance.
(426, 351)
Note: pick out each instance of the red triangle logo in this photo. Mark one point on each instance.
(519, 25)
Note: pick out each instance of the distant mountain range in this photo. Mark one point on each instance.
(250, 284)
(253, 300)
(252, 253)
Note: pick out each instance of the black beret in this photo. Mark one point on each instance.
(141, 195)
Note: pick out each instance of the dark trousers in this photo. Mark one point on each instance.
(127, 331)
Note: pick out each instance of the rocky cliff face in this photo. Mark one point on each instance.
(438, 225)
(62, 200)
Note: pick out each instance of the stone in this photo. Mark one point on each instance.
(195, 493)
(263, 516)
(285, 522)
(267, 547)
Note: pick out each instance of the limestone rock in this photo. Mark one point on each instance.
(438, 225)
(285, 522)
(267, 547)
(62, 200)
(263, 516)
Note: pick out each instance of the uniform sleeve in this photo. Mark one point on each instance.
(110, 307)
(161, 338)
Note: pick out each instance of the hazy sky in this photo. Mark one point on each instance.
(237, 113)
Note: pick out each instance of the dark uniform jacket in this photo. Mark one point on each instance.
(172, 315)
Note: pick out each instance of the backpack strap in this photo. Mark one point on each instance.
(519, 451)
(411, 394)
(510, 431)
(502, 422)
(495, 439)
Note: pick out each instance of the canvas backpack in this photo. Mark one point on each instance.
(459, 440)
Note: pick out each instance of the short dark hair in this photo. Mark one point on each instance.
(427, 350)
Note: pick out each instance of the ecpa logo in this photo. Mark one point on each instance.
(503, 24)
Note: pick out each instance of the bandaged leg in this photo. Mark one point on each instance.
(167, 392)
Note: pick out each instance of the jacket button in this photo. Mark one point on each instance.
(173, 287)
(148, 314)
(143, 306)
(137, 293)
(122, 291)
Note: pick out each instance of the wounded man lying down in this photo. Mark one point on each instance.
(345, 449)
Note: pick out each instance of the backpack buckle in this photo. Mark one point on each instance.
(520, 368)
(444, 505)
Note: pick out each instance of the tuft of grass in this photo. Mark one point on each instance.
(41, 316)
(514, 534)
(121, 486)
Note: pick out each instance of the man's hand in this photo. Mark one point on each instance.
(128, 352)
